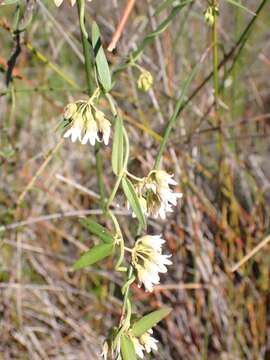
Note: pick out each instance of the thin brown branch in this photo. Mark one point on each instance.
(120, 27)
(251, 254)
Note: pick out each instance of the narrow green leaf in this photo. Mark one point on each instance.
(10, 2)
(102, 66)
(159, 30)
(148, 321)
(94, 228)
(127, 348)
(168, 3)
(118, 147)
(236, 3)
(94, 255)
(133, 200)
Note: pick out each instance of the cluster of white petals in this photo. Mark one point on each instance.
(145, 343)
(86, 124)
(59, 2)
(155, 195)
(148, 260)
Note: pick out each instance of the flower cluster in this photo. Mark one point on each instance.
(148, 260)
(155, 195)
(83, 121)
(145, 343)
(59, 2)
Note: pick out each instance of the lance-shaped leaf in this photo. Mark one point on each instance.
(102, 66)
(118, 147)
(133, 200)
(148, 321)
(94, 255)
(238, 4)
(94, 228)
(127, 348)
(10, 2)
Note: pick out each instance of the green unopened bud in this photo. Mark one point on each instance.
(210, 14)
(70, 110)
(145, 81)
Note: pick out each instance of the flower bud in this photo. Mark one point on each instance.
(209, 15)
(145, 81)
(70, 111)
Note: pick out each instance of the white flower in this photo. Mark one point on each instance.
(160, 197)
(148, 260)
(161, 260)
(153, 241)
(91, 132)
(76, 128)
(155, 195)
(86, 123)
(138, 347)
(145, 343)
(104, 126)
(147, 276)
(164, 179)
(148, 341)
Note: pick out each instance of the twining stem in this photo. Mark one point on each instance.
(99, 171)
(90, 88)
(136, 178)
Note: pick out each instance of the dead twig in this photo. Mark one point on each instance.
(121, 25)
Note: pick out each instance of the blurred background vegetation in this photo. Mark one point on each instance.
(221, 162)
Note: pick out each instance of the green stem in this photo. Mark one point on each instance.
(81, 14)
(99, 172)
(215, 56)
(115, 188)
(125, 291)
(90, 87)
(86, 50)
